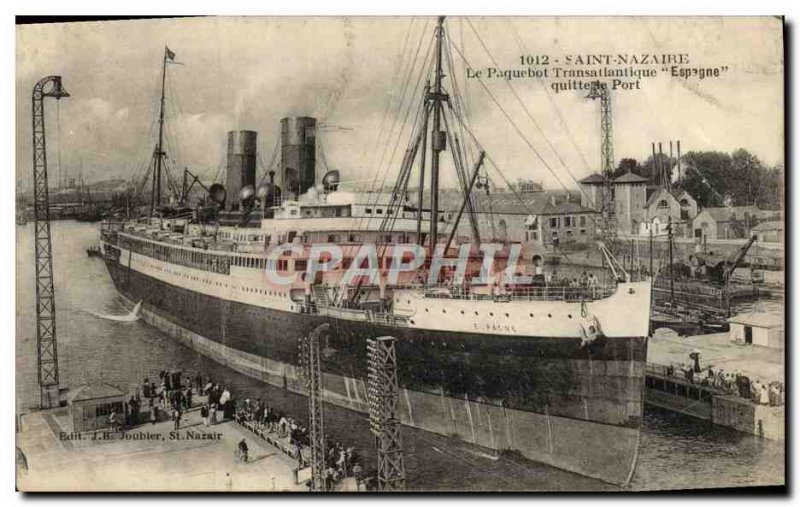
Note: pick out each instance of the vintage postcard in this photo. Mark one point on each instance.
(386, 254)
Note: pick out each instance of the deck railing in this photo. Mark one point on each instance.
(553, 293)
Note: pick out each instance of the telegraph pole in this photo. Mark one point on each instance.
(382, 394)
(671, 269)
(46, 344)
(311, 371)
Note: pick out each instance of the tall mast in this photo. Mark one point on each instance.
(438, 138)
(159, 154)
(423, 156)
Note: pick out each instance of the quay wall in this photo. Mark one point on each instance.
(731, 411)
(552, 440)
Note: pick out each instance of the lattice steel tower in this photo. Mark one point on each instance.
(311, 371)
(600, 91)
(384, 422)
(47, 347)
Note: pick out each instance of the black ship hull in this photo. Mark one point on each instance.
(550, 399)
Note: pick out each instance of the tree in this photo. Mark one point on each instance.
(743, 178)
(769, 192)
(627, 165)
(704, 176)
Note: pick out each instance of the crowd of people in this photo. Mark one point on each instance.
(173, 395)
(733, 383)
(586, 280)
(171, 398)
(340, 461)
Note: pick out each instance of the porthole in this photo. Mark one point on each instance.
(531, 315)
(550, 315)
(570, 315)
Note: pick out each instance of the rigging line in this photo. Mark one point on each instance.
(524, 107)
(220, 167)
(468, 157)
(465, 187)
(561, 119)
(456, 90)
(424, 70)
(405, 167)
(322, 154)
(404, 122)
(580, 189)
(400, 105)
(517, 129)
(522, 201)
(497, 169)
(415, 125)
(519, 132)
(458, 162)
(58, 134)
(398, 71)
(173, 104)
(272, 159)
(464, 51)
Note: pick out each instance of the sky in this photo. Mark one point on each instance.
(247, 73)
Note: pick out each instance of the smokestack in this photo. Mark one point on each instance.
(655, 159)
(241, 165)
(680, 174)
(298, 154)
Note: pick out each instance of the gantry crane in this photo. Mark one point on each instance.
(47, 349)
(600, 91)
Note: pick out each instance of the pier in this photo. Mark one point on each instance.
(149, 457)
(668, 387)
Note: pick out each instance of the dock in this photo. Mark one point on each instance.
(667, 387)
(149, 457)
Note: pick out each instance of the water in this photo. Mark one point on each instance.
(101, 341)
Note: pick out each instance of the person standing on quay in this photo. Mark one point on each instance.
(204, 413)
(176, 418)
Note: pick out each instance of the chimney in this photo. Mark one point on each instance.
(298, 155)
(241, 171)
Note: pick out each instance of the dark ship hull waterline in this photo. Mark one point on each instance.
(551, 399)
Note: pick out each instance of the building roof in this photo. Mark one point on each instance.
(507, 203)
(95, 392)
(726, 214)
(758, 319)
(679, 193)
(771, 225)
(657, 195)
(630, 178)
(767, 214)
(593, 178)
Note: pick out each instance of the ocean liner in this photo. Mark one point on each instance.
(553, 373)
